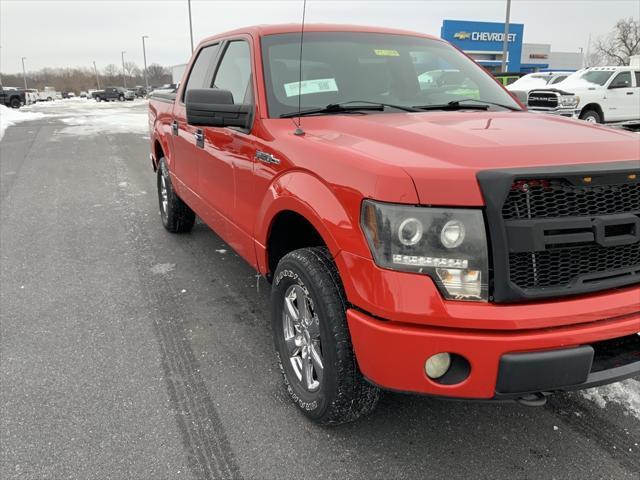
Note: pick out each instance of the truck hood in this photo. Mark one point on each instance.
(443, 151)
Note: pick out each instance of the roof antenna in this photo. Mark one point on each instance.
(299, 130)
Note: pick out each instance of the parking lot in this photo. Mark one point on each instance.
(128, 352)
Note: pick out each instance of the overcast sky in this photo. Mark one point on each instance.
(62, 33)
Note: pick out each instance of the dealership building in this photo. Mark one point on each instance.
(483, 41)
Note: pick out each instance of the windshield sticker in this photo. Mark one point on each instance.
(306, 87)
(386, 53)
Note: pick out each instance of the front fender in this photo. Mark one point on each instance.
(336, 221)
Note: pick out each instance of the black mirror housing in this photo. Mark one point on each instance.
(214, 107)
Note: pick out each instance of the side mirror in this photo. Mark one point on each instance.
(214, 107)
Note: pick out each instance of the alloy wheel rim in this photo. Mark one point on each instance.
(302, 338)
(164, 198)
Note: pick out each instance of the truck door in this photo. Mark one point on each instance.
(622, 98)
(225, 155)
(185, 152)
(636, 97)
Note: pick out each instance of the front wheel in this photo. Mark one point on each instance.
(591, 116)
(121, 98)
(313, 345)
(176, 215)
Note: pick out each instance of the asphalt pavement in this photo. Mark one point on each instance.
(127, 352)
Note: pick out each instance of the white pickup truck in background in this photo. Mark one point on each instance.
(49, 94)
(597, 95)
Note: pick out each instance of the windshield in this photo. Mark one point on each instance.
(598, 77)
(342, 67)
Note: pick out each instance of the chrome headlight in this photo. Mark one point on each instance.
(448, 244)
(569, 100)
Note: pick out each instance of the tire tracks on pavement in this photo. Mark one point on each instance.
(208, 449)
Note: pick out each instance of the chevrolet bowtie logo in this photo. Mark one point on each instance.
(462, 35)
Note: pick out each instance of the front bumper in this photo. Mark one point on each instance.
(569, 112)
(503, 364)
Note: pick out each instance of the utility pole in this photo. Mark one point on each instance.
(24, 73)
(190, 25)
(95, 69)
(144, 56)
(505, 43)
(124, 72)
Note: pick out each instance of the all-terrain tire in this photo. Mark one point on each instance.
(591, 116)
(176, 215)
(343, 395)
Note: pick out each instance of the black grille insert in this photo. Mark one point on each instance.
(542, 100)
(560, 231)
(560, 198)
(560, 267)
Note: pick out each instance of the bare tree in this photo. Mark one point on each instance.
(111, 70)
(621, 43)
(158, 75)
(132, 69)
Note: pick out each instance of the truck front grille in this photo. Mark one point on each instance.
(542, 100)
(564, 233)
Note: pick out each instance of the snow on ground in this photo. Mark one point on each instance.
(88, 117)
(625, 393)
(11, 116)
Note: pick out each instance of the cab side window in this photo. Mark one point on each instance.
(202, 70)
(622, 80)
(234, 72)
(637, 79)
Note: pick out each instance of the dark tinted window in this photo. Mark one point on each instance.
(637, 79)
(623, 80)
(202, 70)
(558, 79)
(234, 73)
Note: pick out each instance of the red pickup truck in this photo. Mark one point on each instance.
(422, 232)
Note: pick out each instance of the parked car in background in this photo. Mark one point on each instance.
(596, 94)
(507, 78)
(522, 86)
(83, 94)
(416, 238)
(112, 94)
(49, 94)
(140, 91)
(31, 95)
(12, 97)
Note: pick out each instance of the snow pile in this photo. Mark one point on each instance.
(625, 393)
(11, 116)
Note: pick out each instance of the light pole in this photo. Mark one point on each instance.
(95, 69)
(24, 73)
(144, 56)
(190, 25)
(505, 43)
(124, 72)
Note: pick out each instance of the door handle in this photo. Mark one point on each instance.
(174, 127)
(199, 138)
(629, 93)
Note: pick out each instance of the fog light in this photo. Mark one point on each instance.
(437, 365)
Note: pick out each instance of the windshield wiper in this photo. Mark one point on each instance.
(458, 105)
(346, 107)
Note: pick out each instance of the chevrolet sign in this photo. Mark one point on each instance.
(462, 35)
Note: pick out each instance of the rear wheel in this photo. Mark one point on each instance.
(98, 99)
(591, 116)
(176, 215)
(15, 102)
(312, 340)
